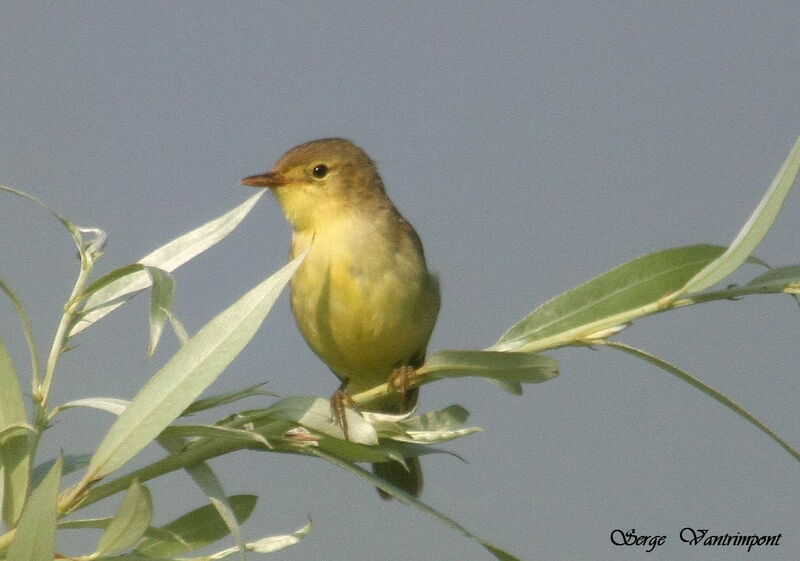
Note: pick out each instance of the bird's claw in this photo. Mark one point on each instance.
(339, 402)
(399, 380)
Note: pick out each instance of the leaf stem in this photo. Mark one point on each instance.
(708, 390)
(78, 497)
(42, 392)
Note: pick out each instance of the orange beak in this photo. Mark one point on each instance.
(269, 179)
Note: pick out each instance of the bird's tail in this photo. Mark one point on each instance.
(408, 477)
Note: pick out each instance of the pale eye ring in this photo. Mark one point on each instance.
(319, 171)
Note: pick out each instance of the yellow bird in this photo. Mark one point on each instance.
(363, 298)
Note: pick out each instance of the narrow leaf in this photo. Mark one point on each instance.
(72, 228)
(83, 523)
(407, 499)
(782, 279)
(190, 371)
(168, 257)
(27, 330)
(506, 368)
(161, 297)
(314, 414)
(276, 543)
(180, 331)
(709, 391)
(434, 436)
(129, 523)
(14, 448)
(225, 398)
(213, 431)
(624, 293)
(70, 464)
(108, 404)
(15, 457)
(35, 538)
(137, 557)
(109, 279)
(431, 428)
(103, 522)
(754, 229)
(205, 478)
(448, 418)
(346, 450)
(196, 529)
(15, 430)
(12, 403)
(269, 544)
(272, 544)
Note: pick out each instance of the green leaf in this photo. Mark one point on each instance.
(272, 544)
(507, 369)
(205, 478)
(83, 523)
(27, 330)
(449, 418)
(754, 229)
(296, 423)
(137, 557)
(314, 414)
(109, 279)
(35, 538)
(398, 449)
(103, 522)
(69, 464)
(15, 458)
(430, 437)
(180, 331)
(108, 404)
(709, 391)
(348, 451)
(214, 431)
(16, 429)
(14, 448)
(225, 398)
(74, 230)
(129, 523)
(782, 279)
(190, 371)
(609, 301)
(196, 529)
(269, 544)
(438, 436)
(161, 298)
(168, 257)
(431, 428)
(12, 403)
(407, 499)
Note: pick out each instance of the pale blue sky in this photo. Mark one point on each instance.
(533, 146)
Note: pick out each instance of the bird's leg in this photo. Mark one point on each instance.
(399, 380)
(339, 401)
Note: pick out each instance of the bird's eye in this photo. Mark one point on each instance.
(320, 171)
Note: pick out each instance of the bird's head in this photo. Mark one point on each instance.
(321, 180)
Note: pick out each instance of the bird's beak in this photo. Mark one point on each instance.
(269, 179)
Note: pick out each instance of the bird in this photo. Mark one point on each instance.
(363, 298)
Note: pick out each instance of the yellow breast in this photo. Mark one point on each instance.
(365, 302)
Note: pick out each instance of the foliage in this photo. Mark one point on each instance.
(35, 507)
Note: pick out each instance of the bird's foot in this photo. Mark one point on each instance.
(399, 380)
(339, 402)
